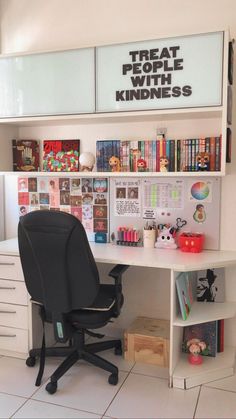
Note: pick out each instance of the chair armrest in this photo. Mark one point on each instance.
(117, 273)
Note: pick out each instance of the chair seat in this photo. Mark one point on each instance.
(100, 311)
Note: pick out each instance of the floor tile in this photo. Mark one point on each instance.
(150, 397)
(228, 383)
(9, 404)
(18, 379)
(215, 403)
(83, 388)
(35, 409)
(152, 370)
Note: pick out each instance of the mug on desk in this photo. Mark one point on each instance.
(149, 238)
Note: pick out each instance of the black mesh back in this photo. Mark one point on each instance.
(57, 262)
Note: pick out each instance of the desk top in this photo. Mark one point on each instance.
(151, 258)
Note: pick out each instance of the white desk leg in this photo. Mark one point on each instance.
(175, 332)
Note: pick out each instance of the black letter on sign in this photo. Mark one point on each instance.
(119, 95)
(125, 68)
(187, 90)
(176, 91)
(133, 55)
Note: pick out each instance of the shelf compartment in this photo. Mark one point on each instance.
(213, 368)
(202, 312)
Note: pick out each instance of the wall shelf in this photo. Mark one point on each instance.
(115, 174)
(128, 116)
(202, 312)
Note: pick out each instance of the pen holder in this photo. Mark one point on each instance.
(149, 238)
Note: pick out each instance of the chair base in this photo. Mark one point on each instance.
(77, 350)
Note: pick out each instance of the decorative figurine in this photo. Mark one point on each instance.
(164, 163)
(114, 163)
(86, 161)
(141, 165)
(203, 161)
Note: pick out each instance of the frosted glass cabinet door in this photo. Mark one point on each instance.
(48, 84)
(171, 73)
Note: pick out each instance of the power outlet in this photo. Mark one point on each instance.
(161, 132)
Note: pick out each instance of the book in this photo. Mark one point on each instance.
(206, 332)
(105, 149)
(211, 285)
(184, 292)
(25, 155)
(61, 155)
(220, 335)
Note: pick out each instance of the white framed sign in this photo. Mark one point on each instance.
(178, 72)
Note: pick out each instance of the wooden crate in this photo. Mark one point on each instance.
(147, 340)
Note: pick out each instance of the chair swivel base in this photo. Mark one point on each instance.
(75, 353)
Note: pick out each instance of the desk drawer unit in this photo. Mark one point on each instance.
(14, 316)
(14, 310)
(13, 339)
(10, 268)
(13, 292)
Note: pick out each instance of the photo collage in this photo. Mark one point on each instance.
(85, 198)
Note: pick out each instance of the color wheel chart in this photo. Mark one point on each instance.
(201, 191)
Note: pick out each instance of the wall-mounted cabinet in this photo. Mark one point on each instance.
(48, 83)
(69, 95)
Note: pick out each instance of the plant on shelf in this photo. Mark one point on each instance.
(196, 349)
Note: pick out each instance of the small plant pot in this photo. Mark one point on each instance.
(195, 359)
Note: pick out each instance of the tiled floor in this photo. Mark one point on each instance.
(83, 392)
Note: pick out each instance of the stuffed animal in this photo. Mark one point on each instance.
(114, 163)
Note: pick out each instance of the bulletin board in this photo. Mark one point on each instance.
(137, 201)
(85, 198)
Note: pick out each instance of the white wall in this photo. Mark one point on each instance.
(32, 25)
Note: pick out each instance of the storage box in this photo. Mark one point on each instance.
(147, 340)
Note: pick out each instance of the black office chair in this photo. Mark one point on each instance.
(62, 277)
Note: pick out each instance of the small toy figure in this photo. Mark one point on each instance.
(86, 161)
(164, 163)
(203, 161)
(114, 162)
(165, 240)
(141, 165)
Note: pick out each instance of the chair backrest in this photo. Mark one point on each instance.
(59, 269)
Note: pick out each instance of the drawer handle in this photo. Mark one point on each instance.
(7, 336)
(7, 288)
(6, 311)
(7, 264)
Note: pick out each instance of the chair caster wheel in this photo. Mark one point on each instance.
(118, 351)
(113, 379)
(51, 387)
(30, 361)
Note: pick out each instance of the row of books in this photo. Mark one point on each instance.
(58, 155)
(163, 155)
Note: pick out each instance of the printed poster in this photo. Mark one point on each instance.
(127, 198)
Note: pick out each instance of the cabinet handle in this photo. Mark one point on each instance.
(7, 263)
(7, 288)
(6, 311)
(7, 336)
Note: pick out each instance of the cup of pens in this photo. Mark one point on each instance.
(149, 236)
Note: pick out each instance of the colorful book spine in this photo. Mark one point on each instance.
(212, 154)
(218, 153)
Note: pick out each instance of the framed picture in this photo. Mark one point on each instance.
(229, 105)
(231, 63)
(228, 145)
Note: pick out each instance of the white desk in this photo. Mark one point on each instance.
(181, 374)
